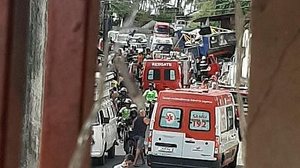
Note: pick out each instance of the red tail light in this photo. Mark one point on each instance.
(217, 145)
(237, 114)
(150, 140)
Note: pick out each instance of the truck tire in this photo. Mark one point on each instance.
(111, 152)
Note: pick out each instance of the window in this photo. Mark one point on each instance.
(199, 120)
(154, 74)
(96, 120)
(163, 47)
(111, 113)
(230, 119)
(170, 118)
(104, 113)
(223, 120)
(170, 74)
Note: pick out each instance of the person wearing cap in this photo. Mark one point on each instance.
(139, 129)
(127, 162)
(125, 111)
(133, 111)
(150, 94)
(124, 114)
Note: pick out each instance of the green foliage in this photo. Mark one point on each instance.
(217, 7)
(164, 17)
(122, 9)
(142, 18)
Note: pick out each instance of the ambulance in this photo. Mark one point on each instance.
(193, 128)
(163, 73)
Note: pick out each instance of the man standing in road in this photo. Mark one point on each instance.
(139, 130)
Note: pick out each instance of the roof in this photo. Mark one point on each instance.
(215, 17)
(161, 60)
(208, 93)
(163, 23)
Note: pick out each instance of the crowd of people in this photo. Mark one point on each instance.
(132, 121)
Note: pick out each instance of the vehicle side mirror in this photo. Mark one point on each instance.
(105, 120)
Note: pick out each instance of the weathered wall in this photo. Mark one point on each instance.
(37, 37)
(69, 78)
(13, 35)
(274, 116)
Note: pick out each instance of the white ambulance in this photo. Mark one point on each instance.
(193, 129)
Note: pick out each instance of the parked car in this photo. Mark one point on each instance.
(104, 132)
(193, 128)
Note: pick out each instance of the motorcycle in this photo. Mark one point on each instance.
(149, 107)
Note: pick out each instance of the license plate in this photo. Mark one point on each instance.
(165, 149)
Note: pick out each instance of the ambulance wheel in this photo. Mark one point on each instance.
(111, 152)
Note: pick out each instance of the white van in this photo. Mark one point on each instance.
(192, 128)
(104, 132)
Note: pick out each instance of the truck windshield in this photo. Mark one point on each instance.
(162, 29)
(163, 47)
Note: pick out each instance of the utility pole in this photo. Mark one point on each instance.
(106, 20)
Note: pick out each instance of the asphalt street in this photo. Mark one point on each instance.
(110, 163)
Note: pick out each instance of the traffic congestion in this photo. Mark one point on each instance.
(189, 116)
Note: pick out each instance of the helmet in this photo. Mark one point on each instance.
(127, 101)
(123, 89)
(133, 106)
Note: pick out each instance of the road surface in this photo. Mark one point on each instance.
(120, 156)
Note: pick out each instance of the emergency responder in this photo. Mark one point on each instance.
(150, 94)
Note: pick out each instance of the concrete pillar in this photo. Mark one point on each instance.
(274, 111)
